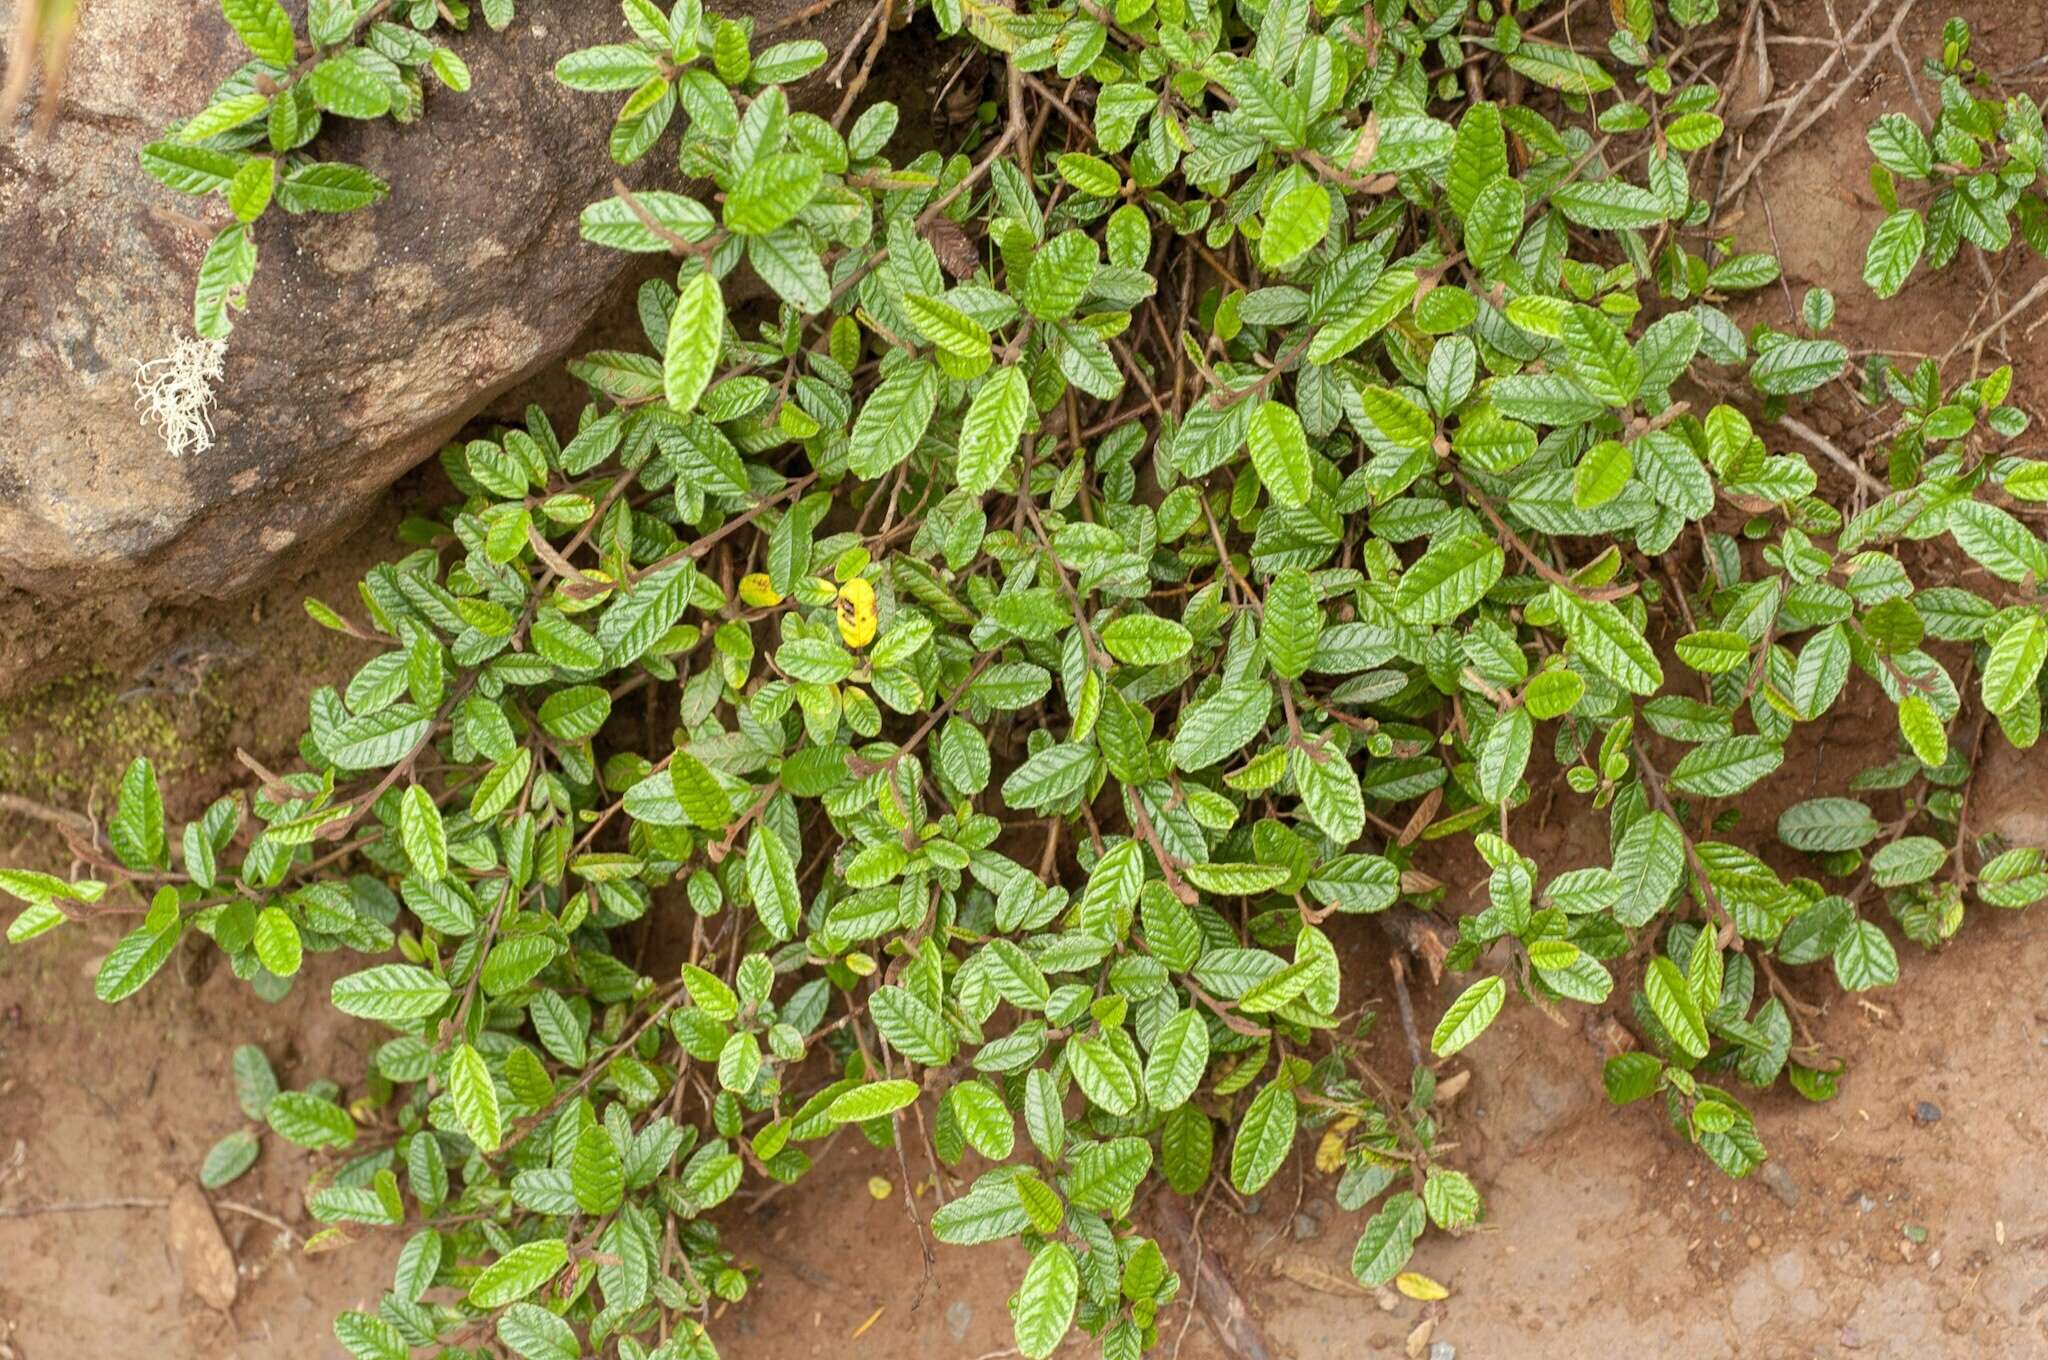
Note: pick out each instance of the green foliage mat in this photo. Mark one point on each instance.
(1063, 592)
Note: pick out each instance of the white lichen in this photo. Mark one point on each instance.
(176, 393)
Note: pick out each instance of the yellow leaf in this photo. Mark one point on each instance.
(879, 1187)
(1330, 1152)
(857, 612)
(1420, 1286)
(758, 592)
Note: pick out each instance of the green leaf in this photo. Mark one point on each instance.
(248, 193)
(1827, 825)
(1388, 1240)
(1179, 1057)
(255, 1083)
(1559, 68)
(1042, 1309)
(1220, 725)
(310, 1122)
(329, 187)
(1055, 775)
(1468, 1016)
(947, 327)
(1264, 1137)
(696, 333)
(1894, 249)
(519, 1272)
(1279, 449)
(1900, 146)
(395, 993)
(1607, 205)
(1091, 175)
(533, 1333)
(1723, 768)
(342, 85)
(1672, 1002)
(1865, 959)
(137, 830)
(1146, 640)
(893, 420)
(871, 1101)
(277, 942)
(190, 169)
(1715, 651)
(132, 962)
(1505, 755)
(1451, 577)
(1923, 730)
(1102, 1076)
(770, 192)
(424, 834)
(1797, 366)
(596, 1174)
(576, 713)
(771, 877)
(263, 28)
(2015, 663)
(1608, 641)
(475, 1098)
(1296, 223)
(988, 434)
(227, 1159)
(1329, 790)
(1293, 622)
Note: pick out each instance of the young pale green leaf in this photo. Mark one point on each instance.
(1279, 449)
(1672, 1002)
(475, 1097)
(696, 333)
(2015, 663)
(1042, 1309)
(871, 1101)
(1264, 1136)
(519, 1272)
(396, 993)
(424, 834)
(1467, 1017)
(1146, 640)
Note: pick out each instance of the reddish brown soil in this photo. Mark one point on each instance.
(1870, 1234)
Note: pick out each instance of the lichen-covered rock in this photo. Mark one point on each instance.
(369, 337)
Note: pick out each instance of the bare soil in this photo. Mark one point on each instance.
(1906, 1218)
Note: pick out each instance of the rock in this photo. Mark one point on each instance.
(1306, 1228)
(370, 336)
(202, 1254)
(1442, 1350)
(1779, 1182)
(2005, 796)
(1926, 1112)
(959, 1314)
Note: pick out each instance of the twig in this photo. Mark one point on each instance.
(1782, 132)
(1836, 456)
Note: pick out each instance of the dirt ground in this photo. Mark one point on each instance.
(1906, 1218)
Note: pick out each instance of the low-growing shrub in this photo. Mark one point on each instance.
(1111, 558)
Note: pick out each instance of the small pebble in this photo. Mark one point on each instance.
(1306, 1228)
(1442, 1350)
(1925, 1113)
(1754, 1241)
(959, 1315)
(1779, 1182)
